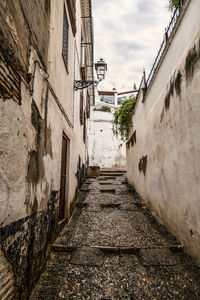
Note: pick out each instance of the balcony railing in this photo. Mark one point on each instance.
(168, 31)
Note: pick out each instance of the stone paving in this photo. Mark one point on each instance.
(114, 249)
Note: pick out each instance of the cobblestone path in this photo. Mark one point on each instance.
(114, 249)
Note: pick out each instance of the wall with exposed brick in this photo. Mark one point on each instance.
(26, 23)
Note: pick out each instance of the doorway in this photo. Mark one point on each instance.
(63, 177)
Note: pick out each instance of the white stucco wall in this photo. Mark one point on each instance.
(167, 134)
(105, 150)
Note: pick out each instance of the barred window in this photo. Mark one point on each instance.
(71, 4)
(81, 107)
(84, 128)
(65, 38)
(88, 105)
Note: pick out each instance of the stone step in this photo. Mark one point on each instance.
(113, 171)
(111, 174)
(120, 249)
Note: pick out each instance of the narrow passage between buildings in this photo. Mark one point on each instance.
(113, 248)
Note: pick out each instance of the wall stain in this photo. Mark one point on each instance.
(167, 101)
(171, 90)
(191, 62)
(178, 83)
(25, 243)
(33, 167)
(36, 121)
(132, 140)
(43, 146)
(142, 166)
(162, 115)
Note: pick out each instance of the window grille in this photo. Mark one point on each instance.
(84, 128)
(71, 4)
(65, 38)
(88, 105)
(81, 107)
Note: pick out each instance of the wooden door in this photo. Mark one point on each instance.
(63, 178)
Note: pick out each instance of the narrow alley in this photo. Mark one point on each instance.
(114, 249)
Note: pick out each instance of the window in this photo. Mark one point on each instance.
(88, 105)
(108, 99)
(65, 38)
(81, 107)
(71, 4)
(83, 61)
(84, 128)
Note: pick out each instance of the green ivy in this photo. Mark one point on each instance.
(173, 4)
(103, 108)
(122, 119)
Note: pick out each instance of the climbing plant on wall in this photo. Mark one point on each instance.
(122, 119)
(173, 4)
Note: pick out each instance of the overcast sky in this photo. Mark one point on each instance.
(128, 34)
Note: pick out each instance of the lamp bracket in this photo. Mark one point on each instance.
(82, 84)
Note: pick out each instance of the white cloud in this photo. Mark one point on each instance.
(127, 35)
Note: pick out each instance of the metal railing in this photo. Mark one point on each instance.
(168, 31)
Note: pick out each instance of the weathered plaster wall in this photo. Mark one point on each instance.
(22, 239)
(105, 150)
(37, 105)
(29, 189)
(163, 152)
(69, 99)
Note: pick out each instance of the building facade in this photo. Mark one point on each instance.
(44, 47)
(105, 150)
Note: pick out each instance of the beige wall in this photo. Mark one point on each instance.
(163, 161)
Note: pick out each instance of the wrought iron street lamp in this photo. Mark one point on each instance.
(101, 68)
